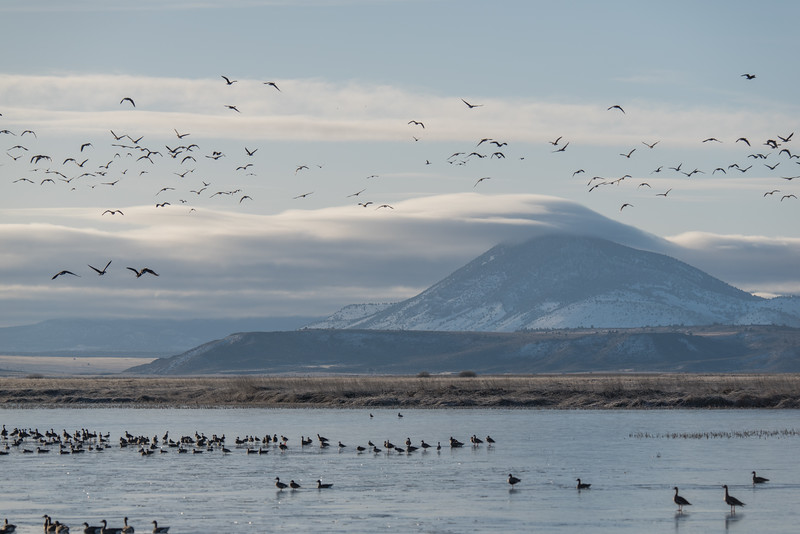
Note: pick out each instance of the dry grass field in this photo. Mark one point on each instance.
(64, 365)
(593, 391)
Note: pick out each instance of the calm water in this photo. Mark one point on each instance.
(454, 490)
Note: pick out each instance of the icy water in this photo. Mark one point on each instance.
(627, 456)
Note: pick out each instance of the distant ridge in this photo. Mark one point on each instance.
(306, 352)
(567, 281)
(128, 337)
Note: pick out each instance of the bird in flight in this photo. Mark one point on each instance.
(180, 135)
(384, 206)
(772, 192)
(272, 84)
(563, 148)
(228, 81)
(250, 152)
(244, 197)
(555, 143)
(356, 193)
(365, 204)
(650, 146)
(787, 138)
(616, 106)
(417, 123)
(63, 273)
(112, 212)
(128, 99)
(628, 155)
(470, 106)
(787, 196)
(664, 194)
(743, 139)
(480, 180)
(748, 76)
(711, 139)
(99, 272)
(624, 206)
(163, 204)
(304, 195)
(145, 270)
(233, 108)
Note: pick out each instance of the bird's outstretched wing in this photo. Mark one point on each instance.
(63, 273)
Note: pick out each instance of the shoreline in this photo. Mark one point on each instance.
(580, 391)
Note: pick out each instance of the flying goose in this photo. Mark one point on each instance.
(99, 272)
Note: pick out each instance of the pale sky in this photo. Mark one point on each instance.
(279, 230)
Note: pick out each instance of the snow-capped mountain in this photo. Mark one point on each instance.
(568, 281)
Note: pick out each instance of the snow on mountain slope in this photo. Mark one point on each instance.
(568, 281)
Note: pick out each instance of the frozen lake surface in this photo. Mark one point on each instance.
(632, 459)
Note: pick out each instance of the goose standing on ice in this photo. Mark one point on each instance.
(159, 530)
(513, 480)
(7, 527)
(759, 480)
(680, 501)
(733, 502)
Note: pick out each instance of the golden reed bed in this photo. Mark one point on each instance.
(617, 391)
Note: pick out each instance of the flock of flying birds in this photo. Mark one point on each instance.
(134, 158)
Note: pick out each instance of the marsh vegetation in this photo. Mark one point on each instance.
(594, 391)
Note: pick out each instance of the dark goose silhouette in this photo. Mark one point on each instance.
(680, 501)
(733, 502)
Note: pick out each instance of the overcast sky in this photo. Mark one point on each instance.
(459, 124)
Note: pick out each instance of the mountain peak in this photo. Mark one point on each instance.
(565, 281)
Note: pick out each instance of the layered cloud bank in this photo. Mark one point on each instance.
(311, 262)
